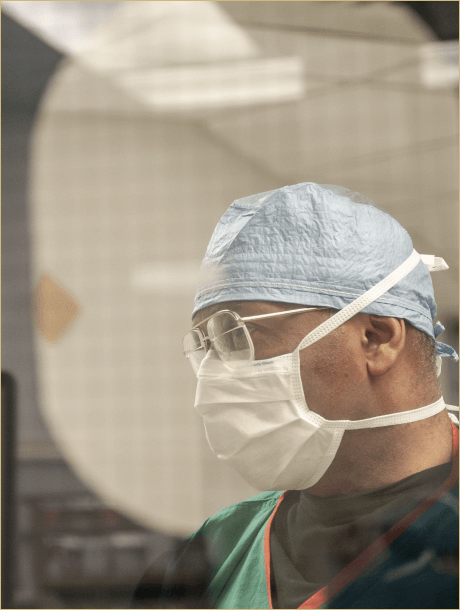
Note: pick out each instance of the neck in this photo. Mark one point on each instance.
(374, 457)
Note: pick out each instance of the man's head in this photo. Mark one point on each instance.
(320, 246)
(355, 352)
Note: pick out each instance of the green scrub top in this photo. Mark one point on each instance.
(404, 568)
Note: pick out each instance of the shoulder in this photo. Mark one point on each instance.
(250, 512)
(263, 500)
(222, 539)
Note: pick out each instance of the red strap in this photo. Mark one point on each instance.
(350, 572)
(454, 440)
(267, 550)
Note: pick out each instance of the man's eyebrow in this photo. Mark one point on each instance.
(195, 321)
(232, 305)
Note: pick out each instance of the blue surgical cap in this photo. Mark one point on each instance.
(315, 245)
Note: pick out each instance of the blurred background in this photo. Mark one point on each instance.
(128, 128)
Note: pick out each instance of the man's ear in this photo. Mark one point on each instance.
(385, 340)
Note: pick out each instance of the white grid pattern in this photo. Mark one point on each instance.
(115, 187)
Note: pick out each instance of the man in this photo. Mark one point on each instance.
(315, 354)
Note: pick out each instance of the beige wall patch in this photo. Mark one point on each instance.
(54, 309)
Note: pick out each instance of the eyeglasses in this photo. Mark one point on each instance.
(230, 337)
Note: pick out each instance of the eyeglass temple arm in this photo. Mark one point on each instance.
(265, 315)
(280, 313)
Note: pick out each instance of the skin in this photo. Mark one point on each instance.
(364, 368)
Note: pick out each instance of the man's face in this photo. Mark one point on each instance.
(331, 369)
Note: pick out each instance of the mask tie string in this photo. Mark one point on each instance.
(365, 299)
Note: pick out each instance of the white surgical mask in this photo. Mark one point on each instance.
(257, 419)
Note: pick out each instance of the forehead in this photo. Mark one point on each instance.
(244, 308)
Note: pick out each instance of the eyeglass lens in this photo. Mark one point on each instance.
(194, 349)
(229, 338)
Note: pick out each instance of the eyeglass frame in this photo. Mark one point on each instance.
(204, 338)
